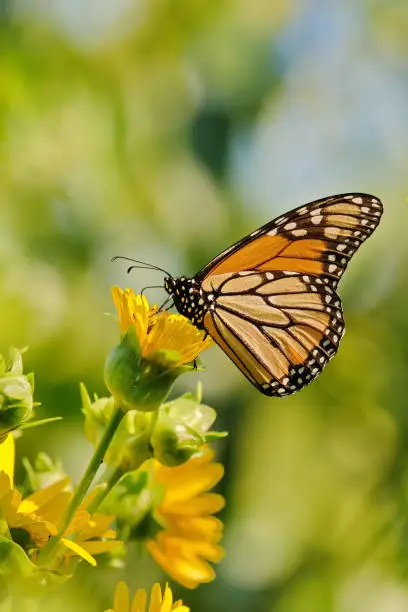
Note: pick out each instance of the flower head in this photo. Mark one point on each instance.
(155, 349)
(158, 331)
(39, 515)
(190, 535)
(159, 601)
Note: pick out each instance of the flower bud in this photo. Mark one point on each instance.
(141, 383)
(43, 473)
(173, 443)
(16, 393)
(97, 414)
(182, 429)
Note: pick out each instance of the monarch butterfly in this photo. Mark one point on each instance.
(270, 301)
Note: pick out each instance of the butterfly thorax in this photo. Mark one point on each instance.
(189, 298)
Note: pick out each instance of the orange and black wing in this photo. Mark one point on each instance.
(317, 238)
(279, 328)
(275, 310)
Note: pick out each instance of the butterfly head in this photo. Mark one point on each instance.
(188, 298)
(170, 284)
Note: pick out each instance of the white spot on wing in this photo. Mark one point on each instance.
(299, 232)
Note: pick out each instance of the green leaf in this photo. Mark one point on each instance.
(14, 562)
(40, 422)
(215, 435)
(21, 574)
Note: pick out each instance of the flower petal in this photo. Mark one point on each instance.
(139, 601)
(167, 604)
(43, 496)
(175, 333)
(78, 550)
(122, 598)
(155, 598)
(7, 455)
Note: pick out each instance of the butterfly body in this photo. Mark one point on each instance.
(270, 301)
(189, 298)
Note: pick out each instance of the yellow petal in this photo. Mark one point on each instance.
(122, 598)
(188, 480)
(132, 310)
(208, 503)
(139, 601)
(119, 299)
(43, 496)
(79, 522)
(96, 527)
(167, 604)
(78, 550)
(155, 598)
(27, 507)
(7, 455)
(175, 333)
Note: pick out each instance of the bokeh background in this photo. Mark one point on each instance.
(165, 130)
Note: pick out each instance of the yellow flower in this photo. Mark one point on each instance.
(159, 602)
(158, 331)
(7, 455)
(92, 534)
(190, 537)
(40, 514)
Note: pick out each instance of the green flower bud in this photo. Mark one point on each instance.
(16, 393)
(182, 429)
(97, 414)
(141, 383)
(43, 473)
(174, 443)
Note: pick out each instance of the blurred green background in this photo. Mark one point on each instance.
(165, 130)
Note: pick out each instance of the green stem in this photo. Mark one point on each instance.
(86, 481)
(117, 473)
(103, 493)
(154, 417)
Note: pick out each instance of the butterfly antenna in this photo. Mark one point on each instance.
(151, 287)
(143, 265)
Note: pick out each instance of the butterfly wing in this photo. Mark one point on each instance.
(276, 312)
(317, 238)
(281, 331)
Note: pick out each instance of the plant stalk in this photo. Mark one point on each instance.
(49, 550)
